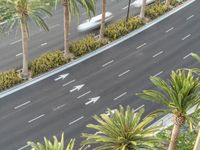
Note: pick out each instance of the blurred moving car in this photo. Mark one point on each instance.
(94, 22)
(138, 3)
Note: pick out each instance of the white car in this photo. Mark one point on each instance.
(138, 3)
(94, 22)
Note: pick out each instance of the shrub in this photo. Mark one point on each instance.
(85, 45)
(121, 28)
(9, 79)
(155, 10)
(175, 2)
(48, 61)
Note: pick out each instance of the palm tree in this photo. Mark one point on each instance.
(102, 28)
(21, 11)
(122, 130)
(142, 10)
(71, 8)
(167, 3)
(128, 11)
(179, 95)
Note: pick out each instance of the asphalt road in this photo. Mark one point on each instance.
(51, 106)
(41, 41)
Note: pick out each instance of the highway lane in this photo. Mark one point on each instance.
(105, 83)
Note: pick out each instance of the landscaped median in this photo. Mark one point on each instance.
(54, 59)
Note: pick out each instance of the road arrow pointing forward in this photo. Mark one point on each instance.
(92, 100)
(63, 76)
(77, 88)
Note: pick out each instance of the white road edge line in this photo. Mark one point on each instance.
(158, 74)
(120, 96)
(68, 83)
(157, 54)
(83, 94)
(141, 45)
(12, 43)
(23, 147)
(18, 54)
(43, 44)
(188, 18)
(169, 29)
(58, 107)
(54, 26)
(76, 120)
(186, 37)
(123, 73)
(138, 108)
(107, 63)
(22, 104)
(36, 118)
(187, 56)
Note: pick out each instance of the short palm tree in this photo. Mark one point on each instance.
(21, 12)
(142, 9)
(179, 95)
(122, 130)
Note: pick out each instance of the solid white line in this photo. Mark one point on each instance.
(43, 44)
(58, 107)
(23, 147)
(68, 83)
(186, 37)
(18, 54)
(36, 118)
(120, 96)
(186, 56)
(123, 73)
(141, 45)
(22, 104)
(76, 120)
(107, 63)
(169, 29)
(84, 94)
(188, 18)
(12, 43)
(54, 26)
(158, 74)
(157, 54)
(138, 108)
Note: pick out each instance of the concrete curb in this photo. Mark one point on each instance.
(94, 53)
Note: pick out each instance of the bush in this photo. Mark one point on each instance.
(48, 61)
(9, 79)
(121, 28)
(85, 45)
(175, 2)
(155, 10)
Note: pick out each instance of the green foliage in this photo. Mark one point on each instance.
(9, 79)
(85, 45)
(155, 10)
(48, 61)
(121, 28)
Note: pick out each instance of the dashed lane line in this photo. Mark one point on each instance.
(36, 118)
(116, 98)
(107, 63)
(12, 43)
(159, 73)
(22, 105)
(187, 56)
(68, 83)
(188, 18)
(123, 73)
(83, 94)
(43, 44)
(76, 120)
(19, 54)
(157, 54)
(23, 147)
(187, 36)
(141, 45)
(169, 29)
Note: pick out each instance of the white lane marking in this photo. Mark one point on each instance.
(157, 54)
(77, 88)
(187, 36)
(54, 26)
(62, 76)
(141, 45)
(123, 73)
(107, 63)
(36, 118)
(19, 54)
(59, 107)
(43, 44)
(22, 104)
(84, 94)
(93, 100)
(169, 29)
(68, 83)
(120, 96)
(188, 18)
(138, 108)
(158, 74)
(12, 43)
(23, 147)
(76, 120)
(186, 56)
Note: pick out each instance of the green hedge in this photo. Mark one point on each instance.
(85, 45)
(48, 61)
(155, 10)
(9, 79)
(121, 28)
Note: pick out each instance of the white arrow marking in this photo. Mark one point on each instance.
(63, 76)
(77, 88)
(92, 100)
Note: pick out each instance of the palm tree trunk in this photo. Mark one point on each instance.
(24, 34)
(174, 137)
(197, 143)
(127, 16)
(142, 10)
(167, 2)
(103, 19)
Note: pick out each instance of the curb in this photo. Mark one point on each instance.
(94, 53)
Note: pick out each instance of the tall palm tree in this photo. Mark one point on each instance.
(128, 10)
(71, 8)
(179, 95)
(102, 28)
(122, 130)
(142, 9)
(21, 11)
